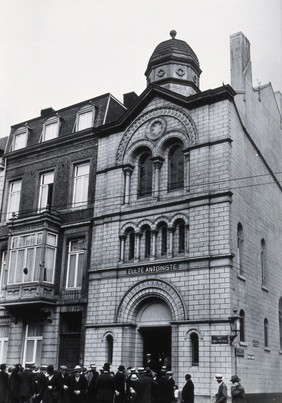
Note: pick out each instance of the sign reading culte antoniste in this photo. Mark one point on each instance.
(153, 268)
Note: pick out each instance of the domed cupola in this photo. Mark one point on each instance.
(174, 65)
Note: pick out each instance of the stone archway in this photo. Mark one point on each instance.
(144, 290)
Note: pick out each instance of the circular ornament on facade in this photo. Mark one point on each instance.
(156, 128)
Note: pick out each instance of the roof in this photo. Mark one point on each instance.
(173, 49)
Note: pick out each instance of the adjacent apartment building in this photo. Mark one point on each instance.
(139, 234)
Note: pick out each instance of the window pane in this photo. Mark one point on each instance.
(51, 239)
(37, 267)
(145, 175)
(38, 351)
(81, 183)
(12, 267)
(176, 168)
(29, 354)
(20, 140)
(3, 350)
(79, 270)
(50, 131)
(85, 120)
(14, 198)
(20, 266)
(34, 330)
(49, 264)
(71, 271)
(29, 264)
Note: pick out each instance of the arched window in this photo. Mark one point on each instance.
(161, 245)
(240, 248)
(129, 244)
(179, 237)
(265, 325)
(263, 262)
(109, 348)
(176, 168)
(242, 326)
(145, 175)
(147, 242)
(280, 322)
(194, 339)
(163, 240)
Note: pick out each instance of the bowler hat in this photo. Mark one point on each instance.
(106, 366)
(121, 368)
(235, 378)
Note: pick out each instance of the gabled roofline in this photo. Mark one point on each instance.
(191, 102)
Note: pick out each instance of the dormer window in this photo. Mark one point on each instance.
(19, 138)
(50, 129)
(84, 118)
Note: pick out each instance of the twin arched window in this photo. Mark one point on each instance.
(175, 171)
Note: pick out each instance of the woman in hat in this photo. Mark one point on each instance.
(237, 390)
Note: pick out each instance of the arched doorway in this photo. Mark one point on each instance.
(153, 321)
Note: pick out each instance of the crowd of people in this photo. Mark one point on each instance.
(34, 384)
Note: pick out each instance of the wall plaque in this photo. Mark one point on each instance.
(219, 339)
(156, 268)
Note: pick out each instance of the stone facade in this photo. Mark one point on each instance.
(181, 229)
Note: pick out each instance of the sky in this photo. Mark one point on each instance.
(55, 53)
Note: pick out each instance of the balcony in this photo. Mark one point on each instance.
(25, 295)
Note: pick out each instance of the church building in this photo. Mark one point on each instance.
(149, 233)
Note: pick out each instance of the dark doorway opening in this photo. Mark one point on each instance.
(69, 353)
(156, 347)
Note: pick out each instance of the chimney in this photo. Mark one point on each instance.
(129, 99)
(240, 62)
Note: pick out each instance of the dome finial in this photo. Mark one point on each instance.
(173, 34)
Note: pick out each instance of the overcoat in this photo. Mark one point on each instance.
(144, 388)
(162, 391)
(78, 384)
(26, 389)
(221, 396)
(188, 392)
(105, 388)
(4, 385)
(51, 392)
(238, 393)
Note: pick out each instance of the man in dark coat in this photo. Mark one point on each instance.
(188, 390)
(221, 396)
(40, 383)
(119, 379)
(52, 386)
(105, 386)
(92, 383)
(78, 386)
(14, 384)
(144, 387)
(162, 391)
(4, 383)
(26, 390)
(63, 384)
(237, 390)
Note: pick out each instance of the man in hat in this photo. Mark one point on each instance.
(26, 389)
(63, 384)
(40, 383)
(144, 387)
(188, 390)
(93, 376)
(221, 396)
(52, 386)
(105, 386)
(4, 383)
(237, 390)
(78, 386)
(119, 379)
(161, 391)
